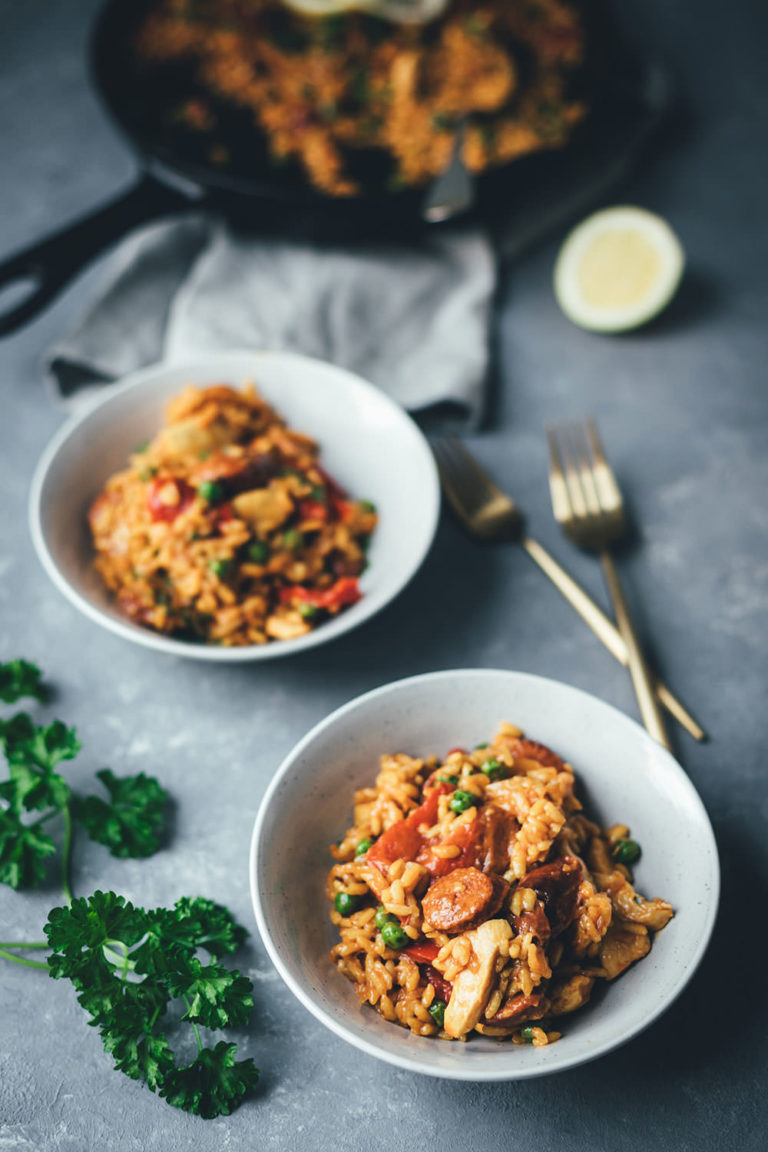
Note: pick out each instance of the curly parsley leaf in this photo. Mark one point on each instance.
(19, 678)
(45, 746)
(201, 923)
(130, 823)
(24, 849)
(212, 1085)
(216, 996)
(129, 963)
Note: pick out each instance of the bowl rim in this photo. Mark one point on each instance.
(245, 653)
(466, 1073)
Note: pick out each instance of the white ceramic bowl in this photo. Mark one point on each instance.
(367, 443)
(625, 778)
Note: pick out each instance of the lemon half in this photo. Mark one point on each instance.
(618, 269)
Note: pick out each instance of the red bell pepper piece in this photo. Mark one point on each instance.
(313, 510)
(438, 982)
(345, 590)
(158, 502)
(465, 837)
(422, 953)
(403, 840)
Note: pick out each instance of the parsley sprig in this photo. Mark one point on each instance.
(135, 970)
(130, 964)
(129, 823)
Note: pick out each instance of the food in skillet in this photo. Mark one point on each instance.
(356, 99)
(226, 529)
(474, 895)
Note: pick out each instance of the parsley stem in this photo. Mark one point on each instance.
(66, 854)
(21, 960)
(24, 944)
(195, 1028)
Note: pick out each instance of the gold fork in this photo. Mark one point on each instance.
(489, 514)
(588, 505)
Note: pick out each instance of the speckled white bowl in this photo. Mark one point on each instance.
(624, 776)
(367, 442)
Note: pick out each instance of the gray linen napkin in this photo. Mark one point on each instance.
(414, 320)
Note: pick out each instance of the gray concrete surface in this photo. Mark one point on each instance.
(683, 407)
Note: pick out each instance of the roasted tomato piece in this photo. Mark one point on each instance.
(168, 496)
(557, 886)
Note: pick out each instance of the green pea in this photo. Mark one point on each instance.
(492, 768)
(448, 779)
(626, 851)
(479, 747)
(147, 473)
(317, 493)
(210, 491)
(383, 917)
(308, 611)
(366, 506)
(363, 846)
(346, 904)
(437, 1012)
(527, 1034)
(394, 935)
(292, 540)
(258, 552)
(461, 800)
(220, 568)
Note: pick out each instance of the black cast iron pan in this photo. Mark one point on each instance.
(254, 194)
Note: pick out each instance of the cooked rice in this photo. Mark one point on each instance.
(324, 88)
(568, 916)
(225, 529)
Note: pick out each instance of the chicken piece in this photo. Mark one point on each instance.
(286, 626)
(570, 994)
(191, 438)
(472, 987)
(629, 905)
(621, 946)
(264, 508)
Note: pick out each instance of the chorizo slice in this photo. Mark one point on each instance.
(557, 886)
(519, 1008)
(534, 923)
(463, 898)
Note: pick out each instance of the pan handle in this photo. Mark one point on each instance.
(39, 273)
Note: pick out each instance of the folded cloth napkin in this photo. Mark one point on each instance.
(413, 319)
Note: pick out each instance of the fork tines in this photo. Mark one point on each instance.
(585, 496)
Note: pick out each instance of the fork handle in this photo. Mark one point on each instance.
(605, 630)
(638, 669)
